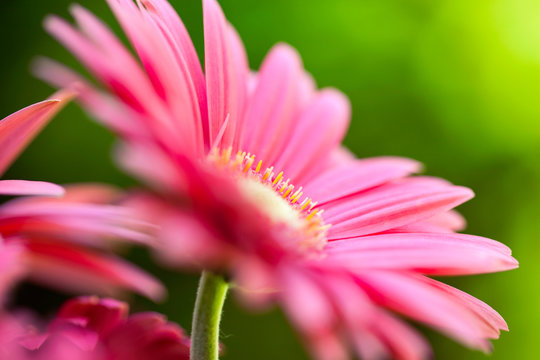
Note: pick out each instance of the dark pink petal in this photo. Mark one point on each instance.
(226, 74)
(95, 314)
(434, 254)
(82, 270)
(18, 129)
(147, 336)
(186, 56)
(11, 268)
(169, 75)
(22, 187)
(357, 176)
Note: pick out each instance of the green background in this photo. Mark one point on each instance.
(452, 83)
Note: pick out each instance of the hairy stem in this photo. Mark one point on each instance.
(207, 316)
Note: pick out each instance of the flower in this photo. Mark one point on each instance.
(57, 240)
(242, 166)
(91, 328)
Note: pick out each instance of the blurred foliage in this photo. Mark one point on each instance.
(452, 83)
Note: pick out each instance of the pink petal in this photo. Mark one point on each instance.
(274, 103)
(357, 176)
(11, 268)
(319, 130)
(391, 206)
(410, 296)
(186, 56)
(78, 269)
(226, 76)
(109, 110)
(100, 315)
(18, 129)
(404, 342)
(22, 187)
(434, 254)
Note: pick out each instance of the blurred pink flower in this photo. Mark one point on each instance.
(232, 157)
(56, 240)
(90, 328)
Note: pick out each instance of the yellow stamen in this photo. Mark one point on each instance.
(280, 175)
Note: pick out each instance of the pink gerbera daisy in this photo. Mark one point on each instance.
(56, 240)
(90, 328)
(242, 166)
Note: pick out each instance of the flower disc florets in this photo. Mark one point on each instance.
(278, 199)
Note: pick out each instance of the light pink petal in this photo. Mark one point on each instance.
(306, 304)
(18, 129)
(82, 270)
(149, 163)
(357, 176)
(451, 220)
(22, 187)
(274, 104)
(404, 342)
(319, 130)
(434, 254)
(412, 297)
(447, 222)
(391, 206)
(226, 76)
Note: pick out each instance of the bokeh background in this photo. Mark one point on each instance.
(452, 83)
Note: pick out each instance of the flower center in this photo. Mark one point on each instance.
(278, 199)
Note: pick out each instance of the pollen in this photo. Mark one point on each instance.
(280, 200)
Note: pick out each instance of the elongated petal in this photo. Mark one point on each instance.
(22, 187)
(401, 292)
(18, 129)
(274, 104)
(357, 176)
(226, 79)
(320, 128)
(392, 206)
(79, 269)
(434, 254)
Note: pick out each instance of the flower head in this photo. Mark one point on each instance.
(91, 328)
(55, 238)
(249, 178)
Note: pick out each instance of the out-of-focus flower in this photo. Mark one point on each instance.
(232, 158)
(57, 240)
(90, 328)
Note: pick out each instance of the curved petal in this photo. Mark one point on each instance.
(320, 129)
(23, 187)
(391, 206)
(359, 175)
(79, 269)
(18, 129)
(226, 75)
(433, 254)
(401, 292)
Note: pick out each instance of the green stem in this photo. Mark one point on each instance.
(206, 317)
